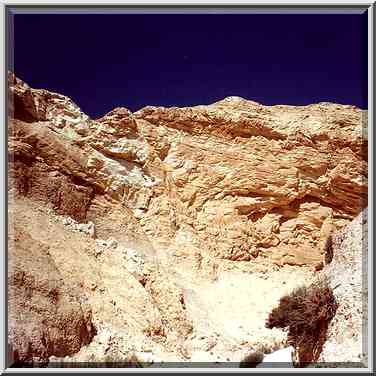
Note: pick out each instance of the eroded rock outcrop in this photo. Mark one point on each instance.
(245, 181)
(182, 194)
(346, 272)
(47, 314)
(255, 180)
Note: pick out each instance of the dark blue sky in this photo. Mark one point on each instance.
(105, 61)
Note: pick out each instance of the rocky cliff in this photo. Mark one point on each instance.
(241, 179)
(197, 191)
(347, 274)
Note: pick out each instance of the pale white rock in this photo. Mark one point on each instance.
(278, 359)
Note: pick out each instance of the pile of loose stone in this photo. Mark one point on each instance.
(135, 262)
(86, 228)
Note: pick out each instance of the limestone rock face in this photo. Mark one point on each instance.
(119, 121)
(347, 276)
(131, 304)
(240, 180)
(166, 218)
(47, 316)
(257, 181)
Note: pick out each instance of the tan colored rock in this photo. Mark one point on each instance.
(47, 314)
(33, 105)
(250, 180)
(232, 166)
(170, 302)
(195, 210)
(128, 294)
(119, 122)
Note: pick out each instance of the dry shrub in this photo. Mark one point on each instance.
(306, 312)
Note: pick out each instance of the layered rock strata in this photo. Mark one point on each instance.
(161, 202)
(235, 179)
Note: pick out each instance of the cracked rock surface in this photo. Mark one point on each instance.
(179, 228)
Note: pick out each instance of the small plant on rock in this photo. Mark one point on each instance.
(306, 312)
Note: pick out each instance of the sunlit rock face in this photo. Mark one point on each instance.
(347, 275)
(235, 180)
(48, 315)
(251, 181)
(174, 231)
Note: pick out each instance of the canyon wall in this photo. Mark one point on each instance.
(160, 200)
(235, 179)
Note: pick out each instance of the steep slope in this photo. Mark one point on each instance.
(252, 180)
(347, 273)
(48, 315)
(240, 180)
(170, 200)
